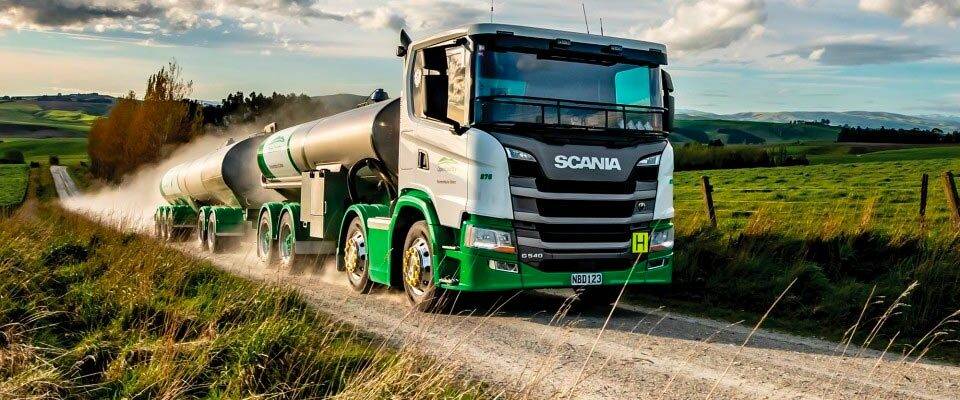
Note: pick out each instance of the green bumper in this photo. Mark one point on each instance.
(471, 270)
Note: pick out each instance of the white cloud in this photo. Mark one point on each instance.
(708, 24)
(863, 50)
(917, 12)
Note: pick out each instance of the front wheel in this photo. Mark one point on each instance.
(355, 259)
(418, 269)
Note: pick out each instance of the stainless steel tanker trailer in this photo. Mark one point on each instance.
(516, 158)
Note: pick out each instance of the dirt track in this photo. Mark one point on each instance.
(641, 353)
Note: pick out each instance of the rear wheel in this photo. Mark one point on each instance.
(287, 242)
(157, 227)
(355, 259)
(215, 244)
(168, 228)
(418, 269)
(266, 246)
(201, 232)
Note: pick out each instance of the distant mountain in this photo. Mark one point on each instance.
(866, 119)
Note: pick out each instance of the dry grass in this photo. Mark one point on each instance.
(91, 312)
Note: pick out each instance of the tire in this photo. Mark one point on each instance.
(201, 232)
(167, 228)
(213, 243)
(157, 227)
(287, 244)
(266, 246)
(417, 269)
(356, 262)
(600, 296)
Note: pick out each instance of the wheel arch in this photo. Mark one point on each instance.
(363, 212)
(412, 206)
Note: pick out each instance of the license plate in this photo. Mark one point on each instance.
(586, 279)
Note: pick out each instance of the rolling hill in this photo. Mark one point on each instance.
(866, 119)
(749, 132)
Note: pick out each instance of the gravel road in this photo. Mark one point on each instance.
(525, 345)
(66, 188)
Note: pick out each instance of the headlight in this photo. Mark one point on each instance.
(515, 154)
(651, 161)
(489, 239)
(661, 240)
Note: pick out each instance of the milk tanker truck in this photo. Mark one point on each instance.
(515, 158)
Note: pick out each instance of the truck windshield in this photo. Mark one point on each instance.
(514, 87)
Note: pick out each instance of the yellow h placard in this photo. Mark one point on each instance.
(640, 243)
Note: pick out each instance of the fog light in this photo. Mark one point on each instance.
(504, 266)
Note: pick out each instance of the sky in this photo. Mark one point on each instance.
(725, 56)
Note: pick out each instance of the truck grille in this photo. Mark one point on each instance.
(578, 226)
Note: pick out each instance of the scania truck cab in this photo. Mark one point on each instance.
(515, 158)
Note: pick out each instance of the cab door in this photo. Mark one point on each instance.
(432, 150)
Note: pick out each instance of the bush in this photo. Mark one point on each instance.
(12, 157)
(695, 156)
(34, 164)
(54, 160)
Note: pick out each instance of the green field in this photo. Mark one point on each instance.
(769, 132)
(13, 184)
(20, 118)
(70, 150)
(809, 196)
(841, 153)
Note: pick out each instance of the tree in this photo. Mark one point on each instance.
(137, 132)
(12, 157)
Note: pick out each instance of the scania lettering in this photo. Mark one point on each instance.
(586, 162)
(515, 158)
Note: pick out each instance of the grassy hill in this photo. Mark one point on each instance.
(33, 119)
(748, 131)
(69, 149)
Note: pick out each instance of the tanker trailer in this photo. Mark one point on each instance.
(210, 196)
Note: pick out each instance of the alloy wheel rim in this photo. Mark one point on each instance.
(417, 268)
(354, 254)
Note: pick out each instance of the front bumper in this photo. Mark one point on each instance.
(468, 269)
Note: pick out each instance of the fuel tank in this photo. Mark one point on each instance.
(227, 176)
(371, 131)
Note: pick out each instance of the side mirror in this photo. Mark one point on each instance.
(668, 102)
(404, 44)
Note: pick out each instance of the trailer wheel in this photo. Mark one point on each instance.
(215, 245)
(355, 259)
(418, 269)
(201, 232)
(287, 243)
(157, 227)
(168, 228)
(266, 246)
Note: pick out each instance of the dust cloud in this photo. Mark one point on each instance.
(130, 207)
(131, 204)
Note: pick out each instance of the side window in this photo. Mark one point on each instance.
(416, 92)
(457, 85)
(439, 86)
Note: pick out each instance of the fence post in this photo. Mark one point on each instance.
(707, 190)
(950, 189)
(923, 196)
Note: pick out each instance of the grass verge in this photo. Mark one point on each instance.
(91, 312)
